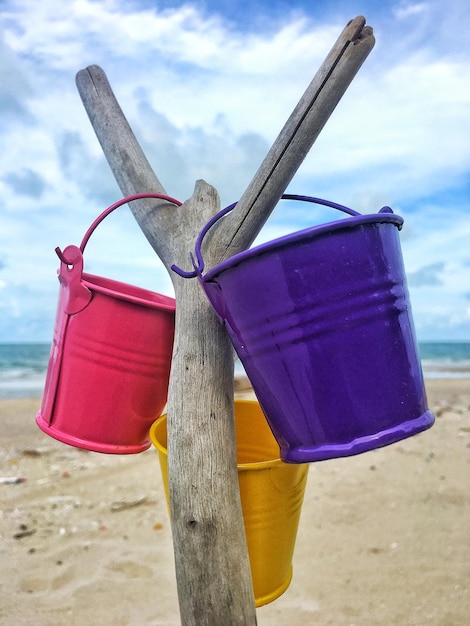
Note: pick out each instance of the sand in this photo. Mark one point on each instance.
(383, 537)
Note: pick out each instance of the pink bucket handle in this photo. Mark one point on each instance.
(71, 259)
(110, 209)
(198, 262)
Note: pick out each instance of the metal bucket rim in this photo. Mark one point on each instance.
(252, 465)
(141, 296)
(299, 236)
(355, 217)
(88, 444)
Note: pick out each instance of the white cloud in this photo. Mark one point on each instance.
(207, 100)
(405, 10)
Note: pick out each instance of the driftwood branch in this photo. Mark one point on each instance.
(213, 574)
(126, 159)
(207, 523)
(208, 532)
(297, 137)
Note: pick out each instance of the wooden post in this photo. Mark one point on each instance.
(212, 567)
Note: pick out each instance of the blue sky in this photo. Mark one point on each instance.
(206, 87)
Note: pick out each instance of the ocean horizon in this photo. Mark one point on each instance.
(23, 366)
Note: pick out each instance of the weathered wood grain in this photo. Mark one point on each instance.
(296, 138)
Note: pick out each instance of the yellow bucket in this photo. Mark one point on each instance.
(271, 493)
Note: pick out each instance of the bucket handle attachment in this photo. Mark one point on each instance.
(198, 262)
(77, 296)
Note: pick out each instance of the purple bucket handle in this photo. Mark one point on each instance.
(198, 262)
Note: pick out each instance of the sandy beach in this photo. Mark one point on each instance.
(383, 537)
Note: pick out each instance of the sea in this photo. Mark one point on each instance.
(23, 366)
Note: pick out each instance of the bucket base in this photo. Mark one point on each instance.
(274, 595)
(303, 454)
(93, 446)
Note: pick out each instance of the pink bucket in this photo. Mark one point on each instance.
(109, 365)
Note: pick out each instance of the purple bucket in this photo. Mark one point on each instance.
(322, 324)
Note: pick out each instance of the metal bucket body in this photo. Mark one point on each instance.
(271, 494)
(322, 323)
(110, 358)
